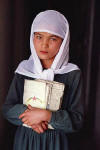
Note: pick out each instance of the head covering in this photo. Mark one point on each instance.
(53, 22)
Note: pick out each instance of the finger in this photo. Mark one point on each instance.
(24, 119)
(33, 126)
(46, 122)
(30, 107)
(40, 128)
(37, 130)
(26, 122)
(30, 123)
(44, 126)
(22, 115)
(27, 110)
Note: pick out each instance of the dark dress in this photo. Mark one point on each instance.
(69, 119)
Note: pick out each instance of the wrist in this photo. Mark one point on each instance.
(47, 115)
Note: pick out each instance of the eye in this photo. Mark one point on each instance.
(53, 39)
(39, 37)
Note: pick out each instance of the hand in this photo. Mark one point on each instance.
(35, 115)
(40, 128)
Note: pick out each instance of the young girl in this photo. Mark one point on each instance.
(49, 44)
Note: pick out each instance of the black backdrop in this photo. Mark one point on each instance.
(15, 20)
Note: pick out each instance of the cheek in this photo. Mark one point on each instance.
(55, 48)
(53, 51)
(36, 45)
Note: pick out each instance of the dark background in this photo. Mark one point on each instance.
(16, 17)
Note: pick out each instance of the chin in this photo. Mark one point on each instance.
(43, 57)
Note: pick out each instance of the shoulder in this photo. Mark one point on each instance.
(19, 78)
(73, 77)
(75, 74)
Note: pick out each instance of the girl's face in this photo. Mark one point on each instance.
(46, 45)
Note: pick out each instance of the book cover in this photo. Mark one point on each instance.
(43, 94)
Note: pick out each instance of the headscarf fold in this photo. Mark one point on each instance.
(53, 22)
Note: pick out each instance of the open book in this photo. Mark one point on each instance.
(43, 94)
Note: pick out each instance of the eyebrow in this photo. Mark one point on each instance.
(52, 35)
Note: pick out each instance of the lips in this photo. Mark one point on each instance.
(43, 52)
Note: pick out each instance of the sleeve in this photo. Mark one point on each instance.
(12, 107)
(70, 119)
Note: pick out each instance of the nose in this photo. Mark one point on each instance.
(45, 43)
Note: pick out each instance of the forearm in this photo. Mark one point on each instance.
(12, 113)
(68, 122)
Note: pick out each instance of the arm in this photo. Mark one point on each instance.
(70, 117)
(12, 107)
(35, 116)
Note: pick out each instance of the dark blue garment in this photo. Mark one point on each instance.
(49, 140)
(68, 119)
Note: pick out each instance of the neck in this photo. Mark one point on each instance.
(46, 63)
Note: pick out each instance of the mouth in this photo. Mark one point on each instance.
(43, 52)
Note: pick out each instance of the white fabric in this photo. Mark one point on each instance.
(53, 22)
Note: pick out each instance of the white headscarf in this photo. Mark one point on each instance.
(53, 22)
